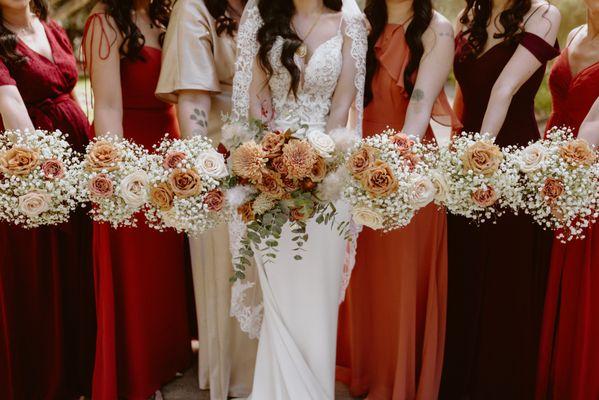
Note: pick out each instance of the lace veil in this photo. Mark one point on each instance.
(246, 302)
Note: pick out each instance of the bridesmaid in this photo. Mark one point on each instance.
(47, 323)
(497, 272)
(197, 74)
(569, 353)
(392, 324)
(143, 330)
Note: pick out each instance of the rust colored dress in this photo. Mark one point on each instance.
(392, 323)
(47, 322)
(569, 354)
(497, 272)
(141, 294)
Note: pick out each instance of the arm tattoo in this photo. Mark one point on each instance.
(448, 34)
(417, 95)
(201, 121)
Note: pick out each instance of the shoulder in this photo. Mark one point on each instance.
(191, 10)
(575, 32)
(542, 16)
(99, 19)
(439, 31)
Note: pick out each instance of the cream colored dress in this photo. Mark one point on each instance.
(196, 58)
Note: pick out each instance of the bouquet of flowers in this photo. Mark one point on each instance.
(479, 180)
(389, 180)
(560, 181)
(186, 186)
(38, 178)
(286, 176)
(114, 180)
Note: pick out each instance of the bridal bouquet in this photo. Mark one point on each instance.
(560, 181)
(286, 176)
(480, 180)
(38, 178)
(186, 186)
(114, 180)
(389, 180)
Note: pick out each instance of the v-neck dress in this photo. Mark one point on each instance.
(47, 323)
(497, 272)
(569, 354)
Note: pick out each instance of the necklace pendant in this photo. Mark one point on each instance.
(302, 51)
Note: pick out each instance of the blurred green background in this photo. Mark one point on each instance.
(72, 14)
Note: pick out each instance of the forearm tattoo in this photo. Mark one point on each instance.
(201, 121)
(417, 95)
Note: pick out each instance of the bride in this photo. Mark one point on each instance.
(301, 60)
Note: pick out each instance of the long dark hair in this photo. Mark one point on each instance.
(277, 15)
(376, 12)
(477, 16)
(9, 40)
(134, 40)
(224, 23)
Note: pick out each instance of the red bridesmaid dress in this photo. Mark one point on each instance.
(141, 293)
(569, 353)
(392, 323)
(497, 272)
(47, 322)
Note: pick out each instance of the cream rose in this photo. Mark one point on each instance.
(531, 158)
(322, 143)
(34, 203)
(441, 186)
(212, 164)
(422, 192)
(134, 188)
(367, 217)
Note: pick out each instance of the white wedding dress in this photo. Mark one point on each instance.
(297, 348)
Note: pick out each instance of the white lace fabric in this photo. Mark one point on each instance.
(311, 106)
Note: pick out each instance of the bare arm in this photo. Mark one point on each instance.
(193, 109)
(105, 75)
(345, 92)
(519, 69)
(260, 98)
(589, 130)
(434, 68)
(13, 110)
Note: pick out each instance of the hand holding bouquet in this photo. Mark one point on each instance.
(38, 178)
(389, 181)
(114, 180)
(186, 186)
(560, 181)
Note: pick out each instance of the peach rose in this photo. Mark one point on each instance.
(552, 190)
(100, 186)
(319, 170)
(271, 184)
(578, 153)
(411, 160)
(308, 185)
(185, 182)
(403, 143)
(162, 196)
(482, 158)
(379, 180)
(174, 160)
(299, 158)
(361, 160)
(279, 165)
(246, 211)
(103, 156)
(290, 184)
(19, 161)
(53, 169)
(272, 144)
(215, 200)
(485, 197)
(35, 203)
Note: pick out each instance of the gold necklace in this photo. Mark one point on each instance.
(302, 50)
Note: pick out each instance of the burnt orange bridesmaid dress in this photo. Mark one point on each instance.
(392, 324)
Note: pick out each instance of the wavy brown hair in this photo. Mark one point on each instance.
(277, 15)
(376, 12)
(218, 9)
(477, 17)
(9, 40)
(134, 40)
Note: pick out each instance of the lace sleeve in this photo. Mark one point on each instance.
(355, 30)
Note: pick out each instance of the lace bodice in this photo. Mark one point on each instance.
(319, 79)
